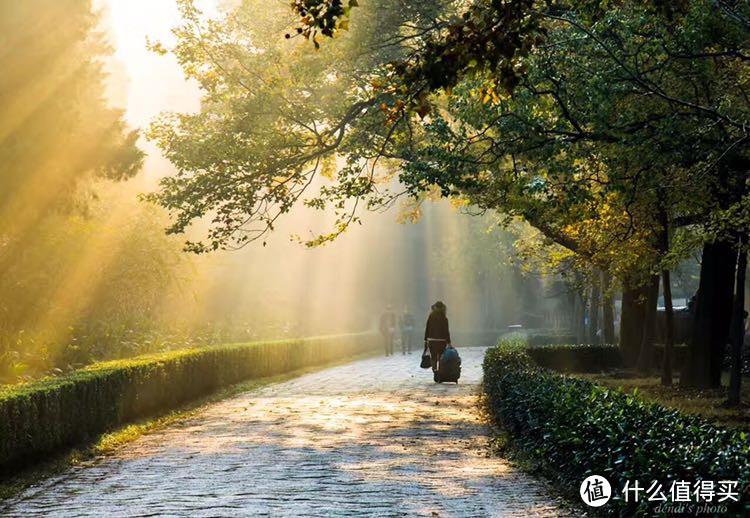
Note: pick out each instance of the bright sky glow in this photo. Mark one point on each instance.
(144, 83)
(155, 83)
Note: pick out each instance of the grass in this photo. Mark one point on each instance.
(708, 404)
(111, 441)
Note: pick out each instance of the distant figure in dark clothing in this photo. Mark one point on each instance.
(437, 335)
(407, 331)
(388, 329)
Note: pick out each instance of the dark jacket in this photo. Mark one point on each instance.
(437, 327)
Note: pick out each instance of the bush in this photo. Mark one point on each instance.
(576, 358)
(548, 350)
(549, 336)
(44, 417)
(577, 428)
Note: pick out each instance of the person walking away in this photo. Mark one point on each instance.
(437, 334)
(388, 329)
(407, 331)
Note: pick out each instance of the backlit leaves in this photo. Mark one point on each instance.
(321, 17)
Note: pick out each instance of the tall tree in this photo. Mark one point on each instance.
(57, 127)
(587, 123)
(57, 132)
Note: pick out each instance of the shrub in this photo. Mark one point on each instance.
(576, 358)
(549, 350)
(549, 336)
(40, 418)
(577, 428)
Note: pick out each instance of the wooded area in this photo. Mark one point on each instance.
(619, 131)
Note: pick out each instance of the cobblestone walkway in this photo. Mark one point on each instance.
(376, 438)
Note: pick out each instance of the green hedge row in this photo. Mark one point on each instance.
(548, 337)
(576, 358)
(50, 415)
(547, 350)
(577, 428)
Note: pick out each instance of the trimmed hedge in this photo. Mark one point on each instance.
(576, 358)
(51, 415)
(577, 428)
(557, 351)
(548, 337)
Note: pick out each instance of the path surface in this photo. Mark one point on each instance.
(376, 437)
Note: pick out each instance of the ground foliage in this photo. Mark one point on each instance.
(578, 428)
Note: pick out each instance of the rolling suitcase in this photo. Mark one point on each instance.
(450, 366)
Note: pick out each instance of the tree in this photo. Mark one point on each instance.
(275, 116)
(667, 116)
(57, 133)
(738, 328)
(57, 128)
(606, 130)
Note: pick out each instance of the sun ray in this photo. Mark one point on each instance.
(80, 281)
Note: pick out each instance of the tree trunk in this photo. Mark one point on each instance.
(631, 323)
(579, 326)
(666, 366)
(646, 353)
(571, 310)
(711, 320)
(594, 312)
(738, 328)
(608, 309)
(667, 358)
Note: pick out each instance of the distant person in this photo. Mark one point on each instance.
(437, 335)
(406, 322)
(388, 329)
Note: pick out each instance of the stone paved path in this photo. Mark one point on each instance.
(375, 437)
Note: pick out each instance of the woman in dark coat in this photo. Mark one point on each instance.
(437, 335)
